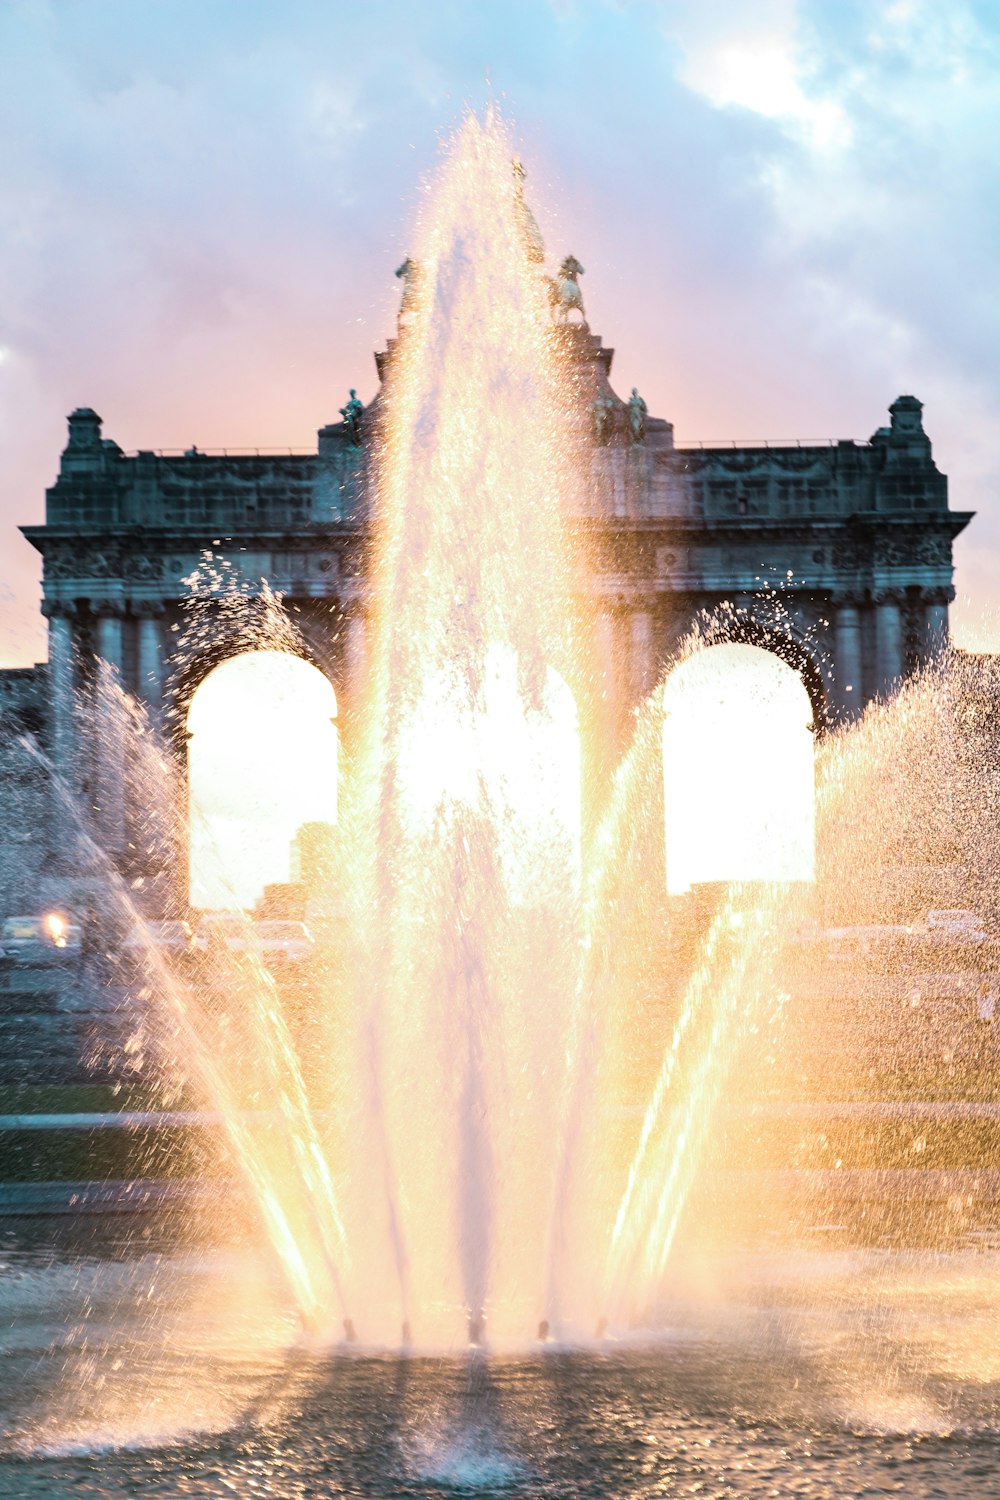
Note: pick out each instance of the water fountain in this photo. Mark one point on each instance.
(527, 1130)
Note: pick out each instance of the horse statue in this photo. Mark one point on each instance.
(564, 292)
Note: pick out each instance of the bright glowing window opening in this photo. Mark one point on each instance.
(524, 757)
(262, 761)
(738, 770)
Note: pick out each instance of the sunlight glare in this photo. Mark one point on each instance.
(524, 757)
(737, 769)
(263, 761)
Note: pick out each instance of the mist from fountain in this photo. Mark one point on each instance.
(518, 1107)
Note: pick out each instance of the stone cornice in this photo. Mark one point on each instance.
(950, 522)
(743, 528)
(300, 538)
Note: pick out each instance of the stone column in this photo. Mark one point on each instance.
(936, 603)
(109, 636)
(110, 731)
(152, 819)
(641, 644)
(356, 656)
(618, 482)
(888, 640)
(609, 648)
(150, 662)
(63, 747)
(850, 689)
(607, 656)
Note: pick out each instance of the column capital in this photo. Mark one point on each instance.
(55, 609)
(148, 609)
(938, 594)
(107, 609)
(895, 596)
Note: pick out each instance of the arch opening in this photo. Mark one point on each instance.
(738, 769)
(262, 765)
(516, 753)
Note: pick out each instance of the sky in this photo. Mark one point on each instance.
(787, 210)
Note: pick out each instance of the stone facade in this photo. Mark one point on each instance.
(838, 557)
(24, 780)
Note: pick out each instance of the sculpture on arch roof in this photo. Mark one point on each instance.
(527, 223)
(352, 413)
(637, 413)
(565, 295)
(409, 274)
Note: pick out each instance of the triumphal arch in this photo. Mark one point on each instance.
(838, 556)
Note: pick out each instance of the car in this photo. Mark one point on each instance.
(230, 930)
(51, 938)
(876, 941)
(168, 936)
(282, 941)
(952, 923)
(224, 931)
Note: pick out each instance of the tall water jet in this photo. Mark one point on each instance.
(470, 782)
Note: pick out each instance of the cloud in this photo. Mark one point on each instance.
(886, 211)
(788, 211)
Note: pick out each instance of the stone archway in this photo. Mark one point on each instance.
(261, 764)
(855, 537)
(740, 627)
(738, 766)
(260, 627)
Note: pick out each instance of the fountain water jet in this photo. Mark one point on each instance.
(469, 781)
(515, 1111)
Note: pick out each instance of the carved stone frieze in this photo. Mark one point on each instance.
(103, 562)
(919, 550)
(670, 558)
(107, 560)
(849, 554)
(738, 462)
(61, 562)
(798, 460)
(141, 566)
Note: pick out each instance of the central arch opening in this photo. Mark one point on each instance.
(262, 766)
(520, 753)
(738, 769)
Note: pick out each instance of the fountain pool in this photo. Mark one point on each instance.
(842, 1369)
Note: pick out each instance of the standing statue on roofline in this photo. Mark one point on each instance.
(604, 418)
(352, 414)
(637, 412)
